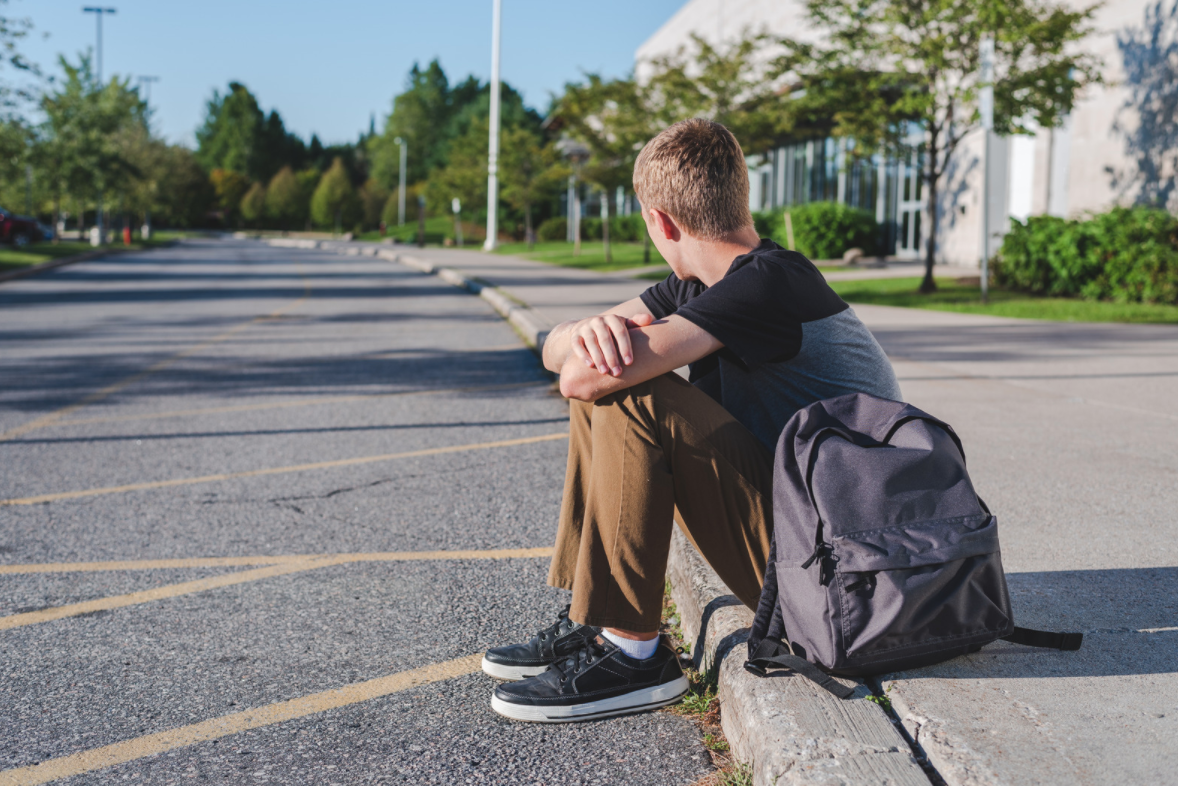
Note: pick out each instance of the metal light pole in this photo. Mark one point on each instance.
(401, 196)
(986, 110)
(100, 219)
(98, 12)
(493, 151)
(146, 82)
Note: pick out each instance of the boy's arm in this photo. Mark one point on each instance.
(602, 341)
(657, 349)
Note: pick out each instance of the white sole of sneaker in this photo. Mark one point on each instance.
(510, 673)
(637, 701)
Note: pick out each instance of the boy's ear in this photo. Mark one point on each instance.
(664, 225)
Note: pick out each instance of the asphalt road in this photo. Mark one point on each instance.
(184, 435)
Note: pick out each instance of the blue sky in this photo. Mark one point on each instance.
(326, 67)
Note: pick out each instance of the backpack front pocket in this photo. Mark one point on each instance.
(923, 587)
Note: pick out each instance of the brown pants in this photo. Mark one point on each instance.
(637, 458)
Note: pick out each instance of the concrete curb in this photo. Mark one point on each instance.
(792, 731)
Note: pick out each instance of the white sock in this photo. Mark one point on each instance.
(639, 650)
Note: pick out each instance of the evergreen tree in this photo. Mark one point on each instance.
(237, 136)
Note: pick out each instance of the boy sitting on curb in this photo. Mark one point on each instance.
(764, 336)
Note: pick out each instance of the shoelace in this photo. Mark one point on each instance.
(558, 628)
(586, 654)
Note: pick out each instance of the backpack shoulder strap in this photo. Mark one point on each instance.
(776, 653)
(1030, 637)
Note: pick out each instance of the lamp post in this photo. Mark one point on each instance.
(493, 149)
(986, 110)
(99, 217)
(145, 82)
(401, 195)
(98, 13)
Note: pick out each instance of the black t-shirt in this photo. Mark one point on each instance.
(788, 339)
(756, 311)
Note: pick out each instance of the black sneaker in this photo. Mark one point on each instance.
(596, 681)
(517, 661)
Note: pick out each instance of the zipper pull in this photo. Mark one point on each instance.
(820, 549)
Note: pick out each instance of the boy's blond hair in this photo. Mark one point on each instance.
(695, 172)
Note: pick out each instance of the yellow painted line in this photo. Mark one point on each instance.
(229, 562)
(98, 395)
(351, 462)
(288, 566)
(159, 593)
(226, 725)
(305, 402)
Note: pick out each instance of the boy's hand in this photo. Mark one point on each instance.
(603, 342)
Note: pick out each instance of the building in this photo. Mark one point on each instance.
(1110, 150)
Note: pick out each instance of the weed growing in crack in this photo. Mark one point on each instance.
(702, 705)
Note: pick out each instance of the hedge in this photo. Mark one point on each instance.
(822, 230)
(555, 228)
(1127, 255)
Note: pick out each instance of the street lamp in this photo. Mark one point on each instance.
(98, 238)
(493, 151)
(401, 196)
(98, 12)
(146, 82)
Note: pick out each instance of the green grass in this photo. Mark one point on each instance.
(436, 228)
(966, 299)
(625, 255)
(36, 253)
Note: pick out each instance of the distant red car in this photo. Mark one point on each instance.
(18, 231)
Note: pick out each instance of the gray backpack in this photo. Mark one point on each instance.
(884, 558)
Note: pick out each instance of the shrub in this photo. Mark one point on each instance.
(1128, 255)
(824, 230)
(556, 228)
(768, 223)
(627, 229)
(590, 229)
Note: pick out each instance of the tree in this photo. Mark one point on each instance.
(184, 194)
(286, 199)
(11, 60)
(334, 202)
(253, 204)
(465, 177)
(237, 136)
(885, 67)
(530, 171)
(430, 116)
(613, 120)
(420, 115)
(83, 140)
(373, 197)
(734, 85)
(229, 188)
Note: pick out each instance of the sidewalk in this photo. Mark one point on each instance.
(1070, 431)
